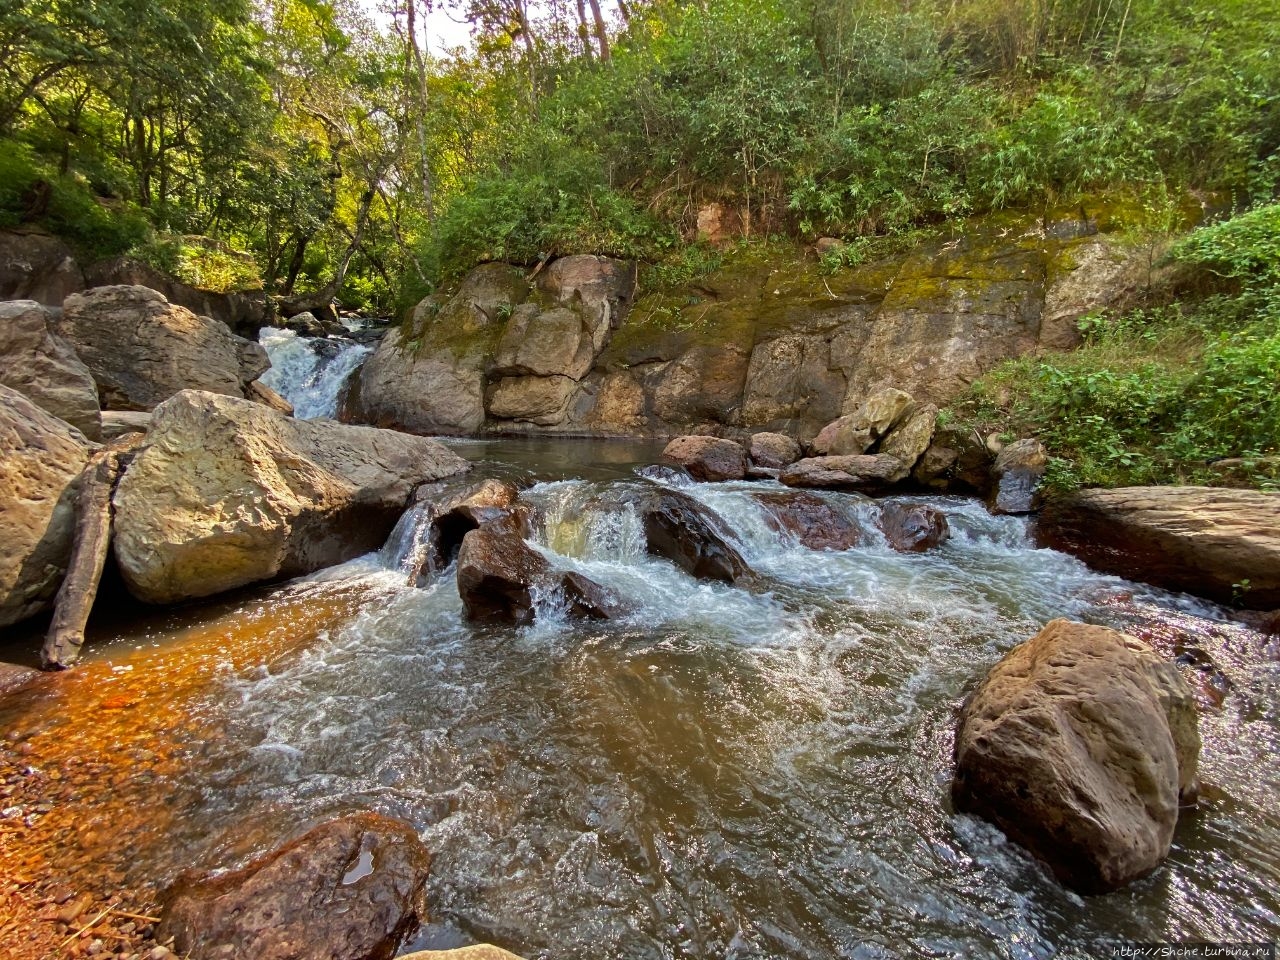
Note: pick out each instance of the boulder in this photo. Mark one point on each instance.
(543, 401)
(1216, 543)
(1017, 472)
(116, 423)
(773, 450)
(844, 473)
(811, 521)
(957, 460)
(1079, 745)
(589, 600)
(353, 887)
(601, 289)
(428, 394)
(707, 458)
(259, 392)
(44, 368)
(479, 951)
(702, 385)
(457, 509)
(554, 342)
(685, 532)
(142, 349)
(909, 440)
(228, 492)
(39, 267)
(858, 432)
(40, 459)
(913, 527)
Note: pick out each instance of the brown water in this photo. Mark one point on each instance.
(718, 775)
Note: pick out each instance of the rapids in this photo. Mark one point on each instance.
(309, 372)
(718, 774)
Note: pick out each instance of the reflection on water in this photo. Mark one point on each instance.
(719, 774)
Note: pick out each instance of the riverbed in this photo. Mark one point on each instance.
(720, 773)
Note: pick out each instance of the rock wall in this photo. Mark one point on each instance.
(772, 345)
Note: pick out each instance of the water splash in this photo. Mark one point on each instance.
(309, 372)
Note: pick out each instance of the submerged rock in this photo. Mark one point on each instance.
(44, 367)
(142, 349)
(685, 532)
(1018, 470)
(708, 458)
(1215, 543)
(812, 521)
(1079, 745)
(867, 472)
(40, 459)
(352, 888)
(228, 492)
(913, 527)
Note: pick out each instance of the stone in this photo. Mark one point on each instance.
(913, 527)
(1018, 470)
(685, 532)
(793, 383)
(702, 385)
(228, 492)
(14, 678)
(709, 459)
(142, 349)
(37, 266)
(428, 394)
(601, 289)
(812, 521)
(543, 401)
(353, 887)
(1102, 274)
(589, 600)
(620, 405)
(457, 509)
(1217, 543)
(858, 432)
(908, 441)
(773, 450)
(1080, 745)
(44, 367)
(544, 344)
(499, 577)
(40, 458)
(957, 461)
(844, 473)
(116, 423)
(479, 951)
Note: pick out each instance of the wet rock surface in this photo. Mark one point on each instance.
(352, 887)
(811, 520)
(865, 472)
(913, 527)
(1017, 473)
(685, 532)
(773, 451)
(1080, 745)
(708, 458)
(1217, 543)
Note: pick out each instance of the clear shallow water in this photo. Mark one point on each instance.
(720, 773)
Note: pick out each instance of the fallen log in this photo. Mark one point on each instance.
(88, 554)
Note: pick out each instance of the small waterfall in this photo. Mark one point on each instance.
(309, 371)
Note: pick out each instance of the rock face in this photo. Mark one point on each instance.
(683, 531)
(1216, 543)
(707, 458)
(142, 349)
(1079, 745)
(1018, 470)
(44, 367)
(913, 527)
(40, 458)
(845, 473)
(353, 888)
(35, 266)
(429, 395)
(228, 492)
(812, 521)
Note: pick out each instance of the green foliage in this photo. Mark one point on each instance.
(202, 263)
(1157, 396)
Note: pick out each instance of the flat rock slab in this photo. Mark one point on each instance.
(1212, 542)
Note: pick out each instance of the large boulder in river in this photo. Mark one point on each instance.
(1080, 745)
(858, 432)
(913, 527)
(352, 888)
(682, 530)
(142, 349)
(228, 492)
(773, 451)
(44, 367)
(810, 520)
(1216, 543)
(422, 393)
(40, 459)
(708, 458)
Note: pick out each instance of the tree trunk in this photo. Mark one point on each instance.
(295, 263)
(602, 36)
(584, 32)
(89, 554)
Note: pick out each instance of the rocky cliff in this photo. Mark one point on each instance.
(767, 342)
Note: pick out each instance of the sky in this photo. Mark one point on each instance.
(443, 32)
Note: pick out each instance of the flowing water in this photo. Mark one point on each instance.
(309, 372)
(718, 774)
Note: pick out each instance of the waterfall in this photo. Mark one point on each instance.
(309, 371)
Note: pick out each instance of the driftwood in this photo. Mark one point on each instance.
(89, 554)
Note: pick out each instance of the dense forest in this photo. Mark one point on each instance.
(318, 147)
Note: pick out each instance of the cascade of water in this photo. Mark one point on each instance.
(309, 371)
